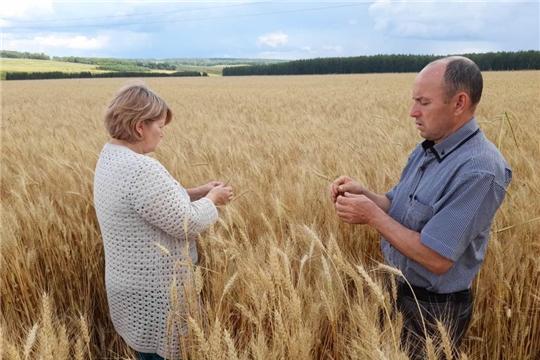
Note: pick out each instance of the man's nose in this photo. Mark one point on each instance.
(414, 112)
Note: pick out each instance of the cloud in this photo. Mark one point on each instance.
(463, 47)
(49, 42)
(333, 48)
(426, 19)
(273, 39)
(94, 28)
(13, 12)
(306, 52)
(442, 20)
(280, 55)
(108, 43)
(24, 9)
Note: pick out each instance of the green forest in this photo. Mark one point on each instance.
(494, 61)
(23, 55)
(19, 75)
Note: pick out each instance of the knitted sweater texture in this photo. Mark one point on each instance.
(140, 205)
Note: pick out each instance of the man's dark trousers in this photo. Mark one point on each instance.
(454, 311)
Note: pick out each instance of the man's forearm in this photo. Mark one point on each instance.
(408, 243)
(380, 200)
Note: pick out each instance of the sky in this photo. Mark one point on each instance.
(267, 30)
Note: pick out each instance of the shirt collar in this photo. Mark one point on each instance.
(453, 142)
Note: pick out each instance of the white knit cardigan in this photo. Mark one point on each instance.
(139, 205)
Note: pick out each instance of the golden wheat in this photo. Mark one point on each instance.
(279, 276)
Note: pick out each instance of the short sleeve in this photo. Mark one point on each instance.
(469, 210)
(390, 194)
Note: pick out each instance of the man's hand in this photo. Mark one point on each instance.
(355, 209)
(344, 184)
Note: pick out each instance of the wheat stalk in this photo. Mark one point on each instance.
(85, 334)
(291, 145)
(31, 338)
(446, 343)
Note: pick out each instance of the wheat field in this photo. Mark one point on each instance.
(280, 276)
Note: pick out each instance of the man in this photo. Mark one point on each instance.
(435, 222)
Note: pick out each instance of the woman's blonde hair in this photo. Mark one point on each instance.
(133, 104)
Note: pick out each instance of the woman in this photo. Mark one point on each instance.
(142, 209)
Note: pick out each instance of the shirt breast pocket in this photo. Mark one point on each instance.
(417, 215)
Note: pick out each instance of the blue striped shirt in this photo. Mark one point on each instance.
(449, 192)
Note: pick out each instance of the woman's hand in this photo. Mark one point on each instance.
(205, 189)
(220, 195)
(201, 191)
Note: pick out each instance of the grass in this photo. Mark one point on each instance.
(29, 65)
(42, 65)
(215, 70)
(280, 277)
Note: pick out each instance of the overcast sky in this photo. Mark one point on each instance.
(271, 30)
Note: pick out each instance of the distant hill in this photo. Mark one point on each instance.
(220, 61)
(213, 66)
(30, 65)
(39, 62)
(215, 70)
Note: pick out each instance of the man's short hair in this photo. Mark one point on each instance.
(133, 104)
(463, 74)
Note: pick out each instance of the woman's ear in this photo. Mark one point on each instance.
(139, 128)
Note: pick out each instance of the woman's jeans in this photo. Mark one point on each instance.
(147, 356)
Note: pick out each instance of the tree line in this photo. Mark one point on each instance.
(143, 64)
(125, 68)
(493, 61)
(19, 75)
(103, 63)
(219, 61)
(23, 55)
(118, 63)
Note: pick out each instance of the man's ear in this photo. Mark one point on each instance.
(462, 103)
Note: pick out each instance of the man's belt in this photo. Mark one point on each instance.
(429, 296)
